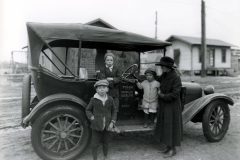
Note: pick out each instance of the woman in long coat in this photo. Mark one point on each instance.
(169, 121)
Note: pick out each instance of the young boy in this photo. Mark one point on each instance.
(150, 96)
(112, 75)
(102, 113)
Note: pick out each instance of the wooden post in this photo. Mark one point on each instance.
(203, 48)
(191, 60)
(156, 27)
(79, 57)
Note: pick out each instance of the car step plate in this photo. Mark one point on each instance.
(134, 128)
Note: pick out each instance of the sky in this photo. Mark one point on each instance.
(175, 17)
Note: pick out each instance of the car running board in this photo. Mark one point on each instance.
(134, 128)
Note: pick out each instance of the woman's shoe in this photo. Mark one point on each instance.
(170, 153)
(165, 150)
(105, 158)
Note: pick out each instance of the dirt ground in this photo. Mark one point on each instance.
(15, 141)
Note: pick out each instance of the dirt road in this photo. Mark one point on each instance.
(15, 142)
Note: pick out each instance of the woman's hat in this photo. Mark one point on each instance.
(151, 71)
(166, 61)
(108, 54)
(103, 82)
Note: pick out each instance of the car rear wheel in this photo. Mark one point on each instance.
(216, 120)
(26, 92)
(61, 132)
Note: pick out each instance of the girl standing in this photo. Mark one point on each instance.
(150, 96)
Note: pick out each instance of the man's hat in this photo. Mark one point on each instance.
(151, 71)
(166, 61)
(103, 82)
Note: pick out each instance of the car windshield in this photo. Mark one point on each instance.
(92, 60)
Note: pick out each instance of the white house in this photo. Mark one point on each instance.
(235, 58)
(186, 51)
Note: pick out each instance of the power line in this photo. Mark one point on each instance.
(194, 4)
(223, 12)
(222, 26)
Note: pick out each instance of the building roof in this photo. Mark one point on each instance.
(103, 23)
(197, 41)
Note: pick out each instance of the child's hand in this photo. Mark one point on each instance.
(110, 126)
(92, 118)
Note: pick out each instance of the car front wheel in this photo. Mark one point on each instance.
(216, 120)
(61, 132)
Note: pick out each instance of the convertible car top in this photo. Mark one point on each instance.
(92, 37)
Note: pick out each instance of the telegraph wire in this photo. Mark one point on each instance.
(219, 24)
(193, 4)
(199, 5)
(222, 12)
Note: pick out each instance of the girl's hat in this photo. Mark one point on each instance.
(151, 71)
(103, 82)
(166, 61)
(108, 54)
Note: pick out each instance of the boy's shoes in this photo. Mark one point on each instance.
(145, 125)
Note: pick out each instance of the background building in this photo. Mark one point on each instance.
(186, 52)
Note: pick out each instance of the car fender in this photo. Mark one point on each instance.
(47, 100)
(192, 108)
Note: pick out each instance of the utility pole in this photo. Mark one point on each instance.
(203, 47)
(11, 64)
(156, 27)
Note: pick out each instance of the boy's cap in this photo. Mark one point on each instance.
(151, 71)
(103, 82)
(108, 54)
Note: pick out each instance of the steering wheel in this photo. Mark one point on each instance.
(130, 71)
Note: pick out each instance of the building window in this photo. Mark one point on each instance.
(211, 59)
(199, 55)
(223, 55)
(176, 56)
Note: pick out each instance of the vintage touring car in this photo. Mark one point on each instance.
(60, 128)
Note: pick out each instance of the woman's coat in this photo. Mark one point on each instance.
(169, 121)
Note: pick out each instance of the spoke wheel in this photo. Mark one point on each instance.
(216, 120)
(60, 133)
